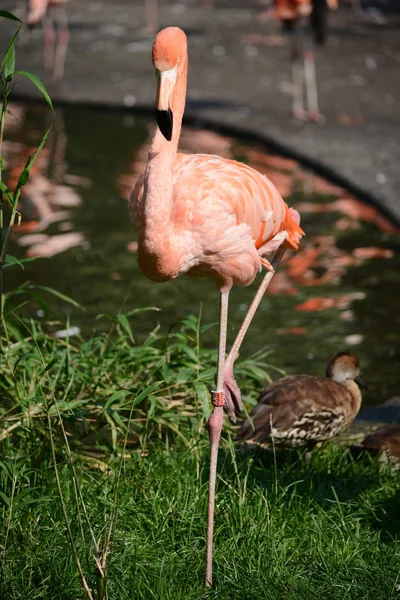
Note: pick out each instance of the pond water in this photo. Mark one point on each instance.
(339, 292)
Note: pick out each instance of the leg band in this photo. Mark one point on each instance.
(218, 398)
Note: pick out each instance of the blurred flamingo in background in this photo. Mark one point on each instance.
(54, 52)
(293, 14)
(204, 215)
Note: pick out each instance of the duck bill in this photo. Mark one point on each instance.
(165, 84)
(360, 382)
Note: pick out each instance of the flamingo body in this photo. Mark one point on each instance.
(292, 9)
(224, 217)
(38, 9)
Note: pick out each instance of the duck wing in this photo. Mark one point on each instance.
(297, 409)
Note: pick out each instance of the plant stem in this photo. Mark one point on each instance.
(8, 233)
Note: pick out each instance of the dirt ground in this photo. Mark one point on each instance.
(236, 79)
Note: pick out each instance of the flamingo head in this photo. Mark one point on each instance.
(169, 56)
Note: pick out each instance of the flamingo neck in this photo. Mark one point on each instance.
(159, 143)
(158, 181)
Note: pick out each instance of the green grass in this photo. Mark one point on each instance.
(321, 530)
(121, 425)
(96, 386)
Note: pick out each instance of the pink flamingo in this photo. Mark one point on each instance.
(293, 15)
(204, 215)
(54, 59)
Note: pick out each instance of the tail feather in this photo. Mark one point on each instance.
(292, 225)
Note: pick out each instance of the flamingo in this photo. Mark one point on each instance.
(204, 215)
(54, 60)
(290, 13)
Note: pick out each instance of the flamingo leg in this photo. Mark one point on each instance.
(311, 85)
(48, 47)
(62, 45)
(232, 393)
(297, 81)
(228, 391)
(297, 91)
(356, 5)
(215, 423)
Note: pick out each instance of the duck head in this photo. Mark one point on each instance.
(344, 366)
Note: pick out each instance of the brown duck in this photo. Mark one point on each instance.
(301, 409)
(386, 439)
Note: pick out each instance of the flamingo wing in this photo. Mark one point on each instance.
(208, 187)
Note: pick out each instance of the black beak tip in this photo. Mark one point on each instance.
(165, 123)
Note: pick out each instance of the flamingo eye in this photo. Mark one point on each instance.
(178, 60)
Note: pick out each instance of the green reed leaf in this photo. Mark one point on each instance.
(40, 86)
(7, 15)
(9, 50)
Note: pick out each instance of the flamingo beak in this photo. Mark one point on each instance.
(165, 84)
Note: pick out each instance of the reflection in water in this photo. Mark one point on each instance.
(341, 302)
(338, 291)
(354, 211)
(48, 192)
(52, 245)
(323, 262)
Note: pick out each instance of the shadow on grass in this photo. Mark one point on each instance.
(330, 477)
(386, 518)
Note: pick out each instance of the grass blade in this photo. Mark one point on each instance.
(9, 64)
(57, 294)
(10, 48)
(7, 15)
(36, 81)
(11, 261)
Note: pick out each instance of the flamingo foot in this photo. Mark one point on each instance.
(300, 114)
(233, 396)
(275, 41)
(316, 117)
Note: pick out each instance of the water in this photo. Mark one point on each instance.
(338, 293)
